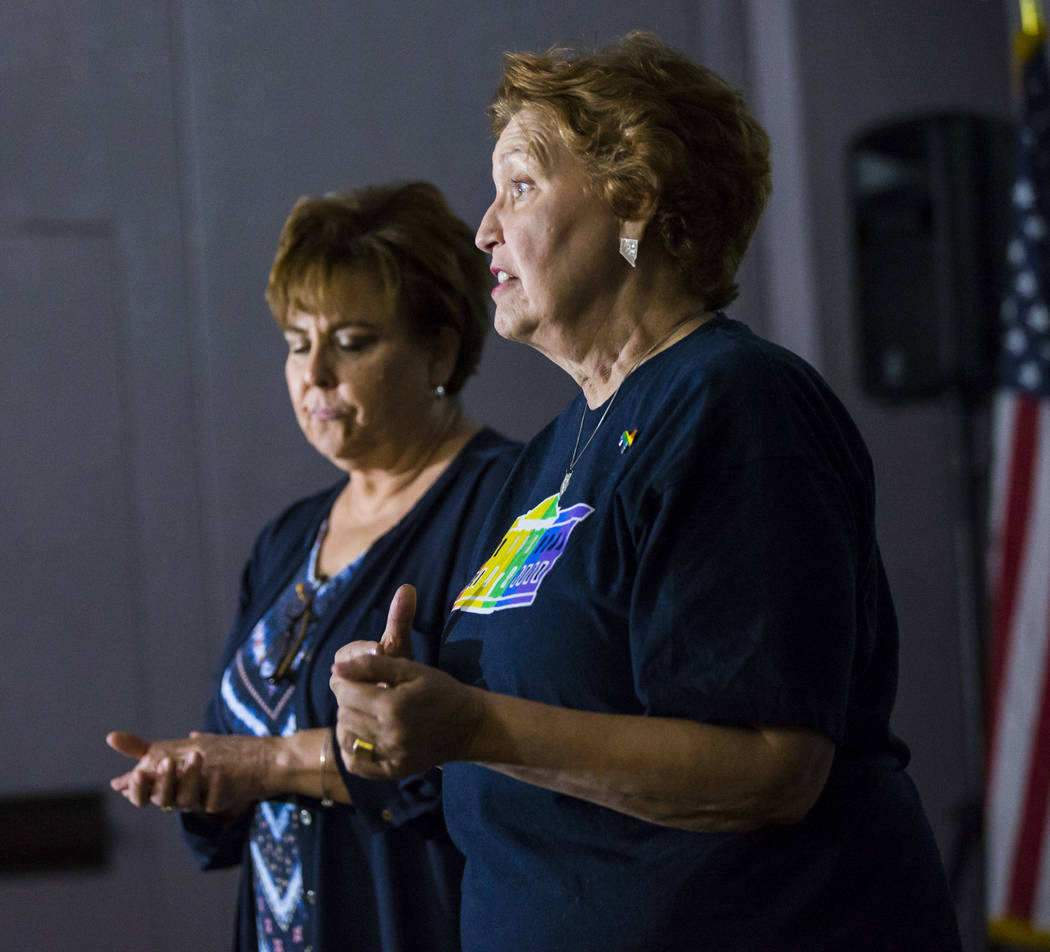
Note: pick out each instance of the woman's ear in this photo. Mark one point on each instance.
(443, 354)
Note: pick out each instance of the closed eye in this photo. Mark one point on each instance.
(354, 343)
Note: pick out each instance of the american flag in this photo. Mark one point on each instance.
(1017, 825)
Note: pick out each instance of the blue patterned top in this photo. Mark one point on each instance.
(260, 708)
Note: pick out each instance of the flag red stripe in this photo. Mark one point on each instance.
(1018, 491)
(1032, 831)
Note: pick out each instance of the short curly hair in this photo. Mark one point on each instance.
(656, 132)
(407, 235)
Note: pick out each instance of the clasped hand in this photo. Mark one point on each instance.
(415, 716)
(202, 773)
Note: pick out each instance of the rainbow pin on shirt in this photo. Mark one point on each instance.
(626, 439)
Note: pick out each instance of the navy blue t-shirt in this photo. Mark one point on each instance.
(713, 558)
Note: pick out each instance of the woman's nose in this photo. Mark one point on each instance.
(489, 233)
(318, 370)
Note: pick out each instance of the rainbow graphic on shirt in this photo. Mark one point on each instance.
(511, 576)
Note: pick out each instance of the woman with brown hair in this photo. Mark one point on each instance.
(381, 298)
(663, 700)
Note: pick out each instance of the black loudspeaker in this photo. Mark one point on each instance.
(931, 212)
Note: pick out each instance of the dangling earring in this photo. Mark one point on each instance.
(629, 250)
(439, 391)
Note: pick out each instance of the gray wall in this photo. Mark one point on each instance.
(149, 152)
(902, 59)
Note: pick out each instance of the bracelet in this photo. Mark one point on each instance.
(326, 801)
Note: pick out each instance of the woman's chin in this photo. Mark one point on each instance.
(514, 326)
(340, 453)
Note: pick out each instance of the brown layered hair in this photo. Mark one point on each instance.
(657, 133)
(406, 235)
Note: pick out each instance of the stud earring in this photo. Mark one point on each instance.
(629, 250)
(439, 391)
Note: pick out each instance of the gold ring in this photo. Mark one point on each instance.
(167, 809)
(364, 746)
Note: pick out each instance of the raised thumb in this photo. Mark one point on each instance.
(397, 638)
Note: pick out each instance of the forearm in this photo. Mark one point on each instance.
(668, 771)
(296, 766)
(675, 772)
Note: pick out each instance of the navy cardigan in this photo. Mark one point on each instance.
(382, 873)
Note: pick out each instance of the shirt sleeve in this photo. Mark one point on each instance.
(744, 604)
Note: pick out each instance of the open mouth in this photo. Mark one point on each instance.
(501, 276)
(502, 279)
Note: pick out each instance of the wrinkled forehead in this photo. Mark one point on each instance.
(529, 137)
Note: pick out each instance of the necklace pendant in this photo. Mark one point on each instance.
(565, 481)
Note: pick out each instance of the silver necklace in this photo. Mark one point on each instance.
(575, 458)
